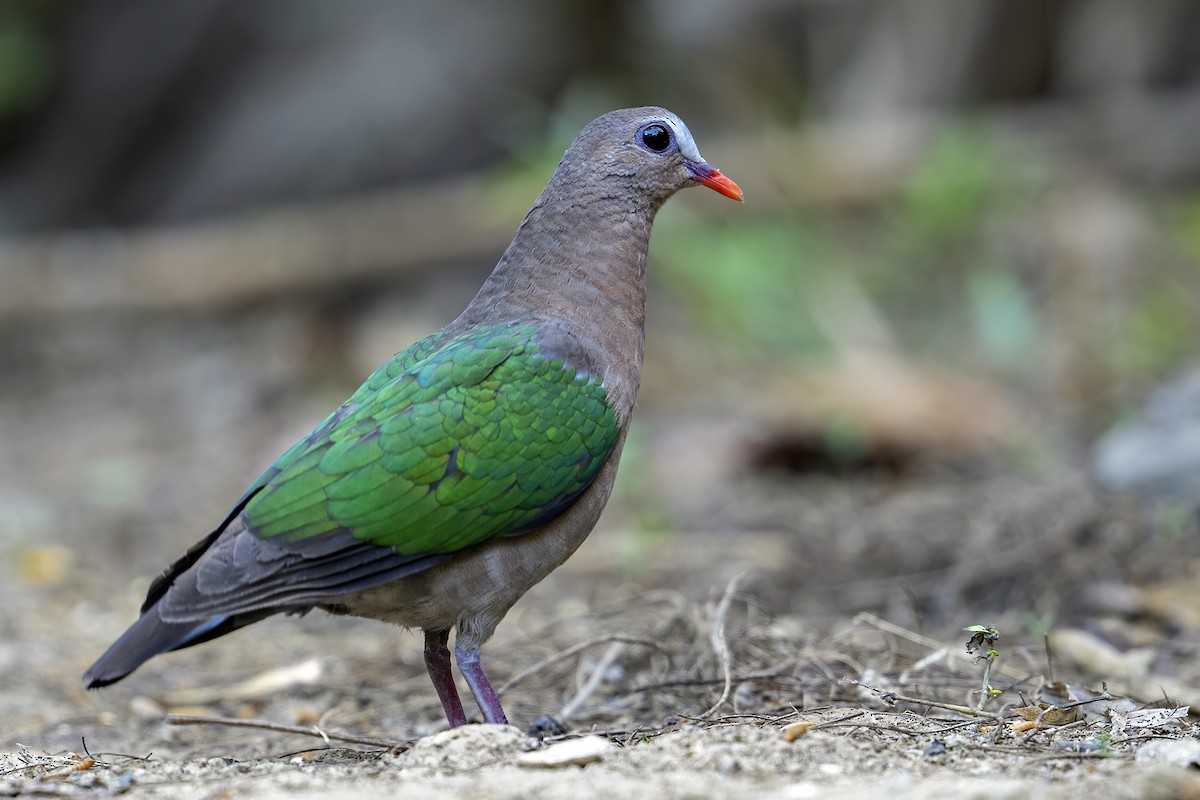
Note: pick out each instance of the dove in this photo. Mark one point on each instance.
(470, 465)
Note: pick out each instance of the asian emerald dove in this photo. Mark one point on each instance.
(473, 463)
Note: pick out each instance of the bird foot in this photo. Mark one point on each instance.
(437, 663)
(481, 687)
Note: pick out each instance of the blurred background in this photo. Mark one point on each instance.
(921, 372)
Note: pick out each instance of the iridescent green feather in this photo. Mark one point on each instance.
(452, 442)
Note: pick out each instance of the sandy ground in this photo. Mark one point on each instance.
(724, 599)
(740, 759)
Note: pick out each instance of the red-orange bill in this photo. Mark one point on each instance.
(711, 177)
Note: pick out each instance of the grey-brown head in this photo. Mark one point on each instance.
(580, 253)
(641, 155)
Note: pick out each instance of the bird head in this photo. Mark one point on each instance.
(648, 151)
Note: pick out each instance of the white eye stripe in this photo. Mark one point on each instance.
(683, 137)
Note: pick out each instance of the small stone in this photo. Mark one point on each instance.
(546, 726)
(1176, 752)
(797, 729)
(571, 753)
(936, 748)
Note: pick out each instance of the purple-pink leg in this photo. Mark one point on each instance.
(481, 687)
(437, 662)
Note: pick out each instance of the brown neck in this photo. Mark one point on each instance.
(579, 260)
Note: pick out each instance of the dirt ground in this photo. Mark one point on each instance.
(746, 620)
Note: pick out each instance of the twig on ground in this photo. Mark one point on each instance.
(879, 726)
(578, 647)
(932, 644)
(955, 726)
(1083, 756)
(891, 698)
(41, 762)
(1139, 737)
(720, 646)
(301, 730)
(594, 680)
(840, 720)
(1054, 732)
(678, 683)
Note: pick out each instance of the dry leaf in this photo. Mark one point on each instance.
(1146, 718)
(1049, 714)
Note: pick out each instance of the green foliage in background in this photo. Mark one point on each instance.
(959, 264)
(1002, 315)
(922, 258)
(25, 64)
(1160, 331)
(749, 281)
(952, 187)
(1186, 227)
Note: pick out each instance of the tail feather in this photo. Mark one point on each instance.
(150, 635)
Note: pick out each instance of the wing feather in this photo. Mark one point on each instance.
(457, 440)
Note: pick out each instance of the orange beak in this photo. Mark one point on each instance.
(711, 177)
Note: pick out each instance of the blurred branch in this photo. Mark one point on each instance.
(312, 247)
(256, 255)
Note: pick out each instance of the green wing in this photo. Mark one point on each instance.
(452, 442)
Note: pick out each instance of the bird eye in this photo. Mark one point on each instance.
(656, 137)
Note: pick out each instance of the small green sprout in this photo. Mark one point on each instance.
(984, 636)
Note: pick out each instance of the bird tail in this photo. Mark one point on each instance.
(150, 635)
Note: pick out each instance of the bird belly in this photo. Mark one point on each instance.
(473, 590)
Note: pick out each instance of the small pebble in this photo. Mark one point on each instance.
(546, 726)
(797, 729)
(1176, 752)
(571, 753)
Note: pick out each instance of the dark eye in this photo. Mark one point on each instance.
(656, 137)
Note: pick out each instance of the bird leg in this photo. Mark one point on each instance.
(481, 687)
(437, 662)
